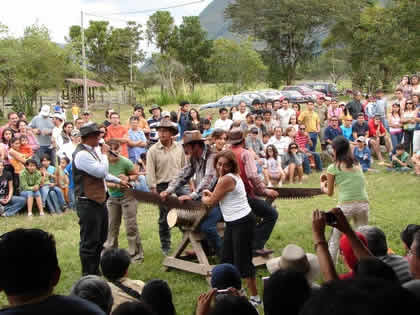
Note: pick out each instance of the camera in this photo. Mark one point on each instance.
(330, 218)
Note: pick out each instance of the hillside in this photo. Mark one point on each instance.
(213, 21)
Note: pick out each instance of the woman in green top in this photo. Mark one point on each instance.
(347, 174)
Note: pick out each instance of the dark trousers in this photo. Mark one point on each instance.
(93, 221)
(264, 228)
(408, 141)
(209, 227)
(307, 166)
(314, 139)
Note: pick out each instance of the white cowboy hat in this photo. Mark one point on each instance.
(45, 110)
(294, 257)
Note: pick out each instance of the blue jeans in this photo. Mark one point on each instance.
(209, 227)
(72, 199)
(399, 169)
(396, 139)
(53, 198)
(140, 184)
(306, 165)
(29, 193)
(314, 139)
(14, 206)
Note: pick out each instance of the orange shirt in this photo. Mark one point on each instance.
(118, 132)
(26, 150)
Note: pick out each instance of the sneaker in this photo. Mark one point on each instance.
(255, 301)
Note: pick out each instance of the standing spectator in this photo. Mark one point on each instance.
(24, 130)
(30, 181)
(284, 114)
(118, 132)
(153, 121)
(381, 107)
(65, 134)
(121, 205)
(31, 290)
(347, 175)
(378, 137)
(400, 99)
(12, 118)
(194, 121)
(164, 160)
(137, 141)
(75, 111)
(86, 117)
(322, 110)
(9, 204)
(268, 122)
(241, 113)
(223, 122)
(62, 180)
(296, 108)
(304, 143)
(395, 126)
(184, 108)
(354, 107)
(232, 111)
(143, 123)
(408, 120)
(259, 124)
(56, 140)
(78, 123)
(405, 86)
(415, 86)
(312, 123)
(294, 123)
(370, 107)
(416, 135)
(362, 154)
(360, 128)
(107, 122)
(253, 143)
(331, 132)
(68, 148)
(69, 173)
(42, 127)
(334, 111)
(256, 104)
(281, 143)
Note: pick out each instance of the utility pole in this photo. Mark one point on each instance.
(85, 96)
(131, 75)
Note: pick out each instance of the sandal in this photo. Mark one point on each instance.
(30, 214)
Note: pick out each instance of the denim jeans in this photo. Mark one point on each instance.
(30, 193)
(14, 206)
(140, 184)
(307, 166)
(314, 139)
(269, 217)
(396, 139)
(209, 227)
(53, 198)
(72, 199)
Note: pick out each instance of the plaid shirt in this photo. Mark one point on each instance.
(202, 168)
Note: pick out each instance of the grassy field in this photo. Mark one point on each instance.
(394, 198)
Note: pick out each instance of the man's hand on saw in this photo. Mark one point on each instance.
(164, 195)
(271, 193)
(184, 198)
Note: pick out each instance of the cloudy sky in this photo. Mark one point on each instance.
(59, 15)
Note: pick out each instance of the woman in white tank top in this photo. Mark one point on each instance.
(240, 222)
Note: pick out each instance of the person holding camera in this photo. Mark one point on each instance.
(347, 174)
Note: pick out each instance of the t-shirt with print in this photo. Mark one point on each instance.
(351, 183)
(403, 158)
(360, 130)
(4, 184)
(122, 166)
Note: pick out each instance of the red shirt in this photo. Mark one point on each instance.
(118, 131)
(301, 140)
(373, 128)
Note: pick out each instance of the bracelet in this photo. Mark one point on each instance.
(319, 243)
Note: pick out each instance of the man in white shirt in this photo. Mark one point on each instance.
(284, 114)
(281, 143)
(241, 113)
(57, 139)
(68, 148)
(223, 123)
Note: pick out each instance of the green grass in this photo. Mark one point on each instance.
(394, 202)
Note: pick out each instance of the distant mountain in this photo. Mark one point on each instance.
(212, 19)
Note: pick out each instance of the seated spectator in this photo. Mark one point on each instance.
(219, 137)
(30, 183)
(158, 295)
(360, 128)
(223, 122)
(273, 171)
(253, 143)
(133, 308)
(362, 154)
(260, 126)
(281, 143)
(415, 259)
(399, 160)
(378, 246)
(407, 237)
(69, 147)
(286, 291)
(51, 194)
(207, 130)
(93, 289)
(29, 290)
(378, 137)
(294, 123)
(293, 257)
(225, 276)
(416, 163)
(347, 129)
(372, 267)
(332, 131)
(293, 163)
(229, 304)
(25, 148)
(304, 142)
(114, 265)
(9, 204)
(16, 158)
(349, 258)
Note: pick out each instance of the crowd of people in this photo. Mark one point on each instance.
(232, 168)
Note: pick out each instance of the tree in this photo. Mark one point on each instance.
(290, 30)
(160, 31)
(193, 49)
(237, 64)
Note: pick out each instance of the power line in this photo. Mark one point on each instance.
(106, 17)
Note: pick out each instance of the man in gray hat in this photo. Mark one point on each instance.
(42, 126)
(90, 170)
(153, 122)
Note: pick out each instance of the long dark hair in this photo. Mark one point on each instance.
(343, 152)
(2, 137)
(275, 153)
(189, 114)
(158, 295)
(399, 109)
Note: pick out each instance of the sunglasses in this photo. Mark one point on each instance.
(334, 120)
(293, 147)
(302, 128)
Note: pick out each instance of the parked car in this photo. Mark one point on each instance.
(304, 90)
(295, 97)
(329, 89)
(254, 95)
(228, 101)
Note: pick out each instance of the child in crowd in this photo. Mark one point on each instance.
(25, 148)
(294, 123)
(62, 179)
(294, 163)
(30, 181)
(207, 130)
(399, 160)
(266, 138)
(140, 166)
(51, 194)
(347, 128)
(362, 154)
(16, 158)
(69, 173)
(273, 172)
(416, 162)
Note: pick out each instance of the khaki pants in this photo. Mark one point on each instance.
(125, 207)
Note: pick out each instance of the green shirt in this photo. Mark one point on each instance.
(122, 166)
(403, 158)
(351, 184)
(28, 181)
